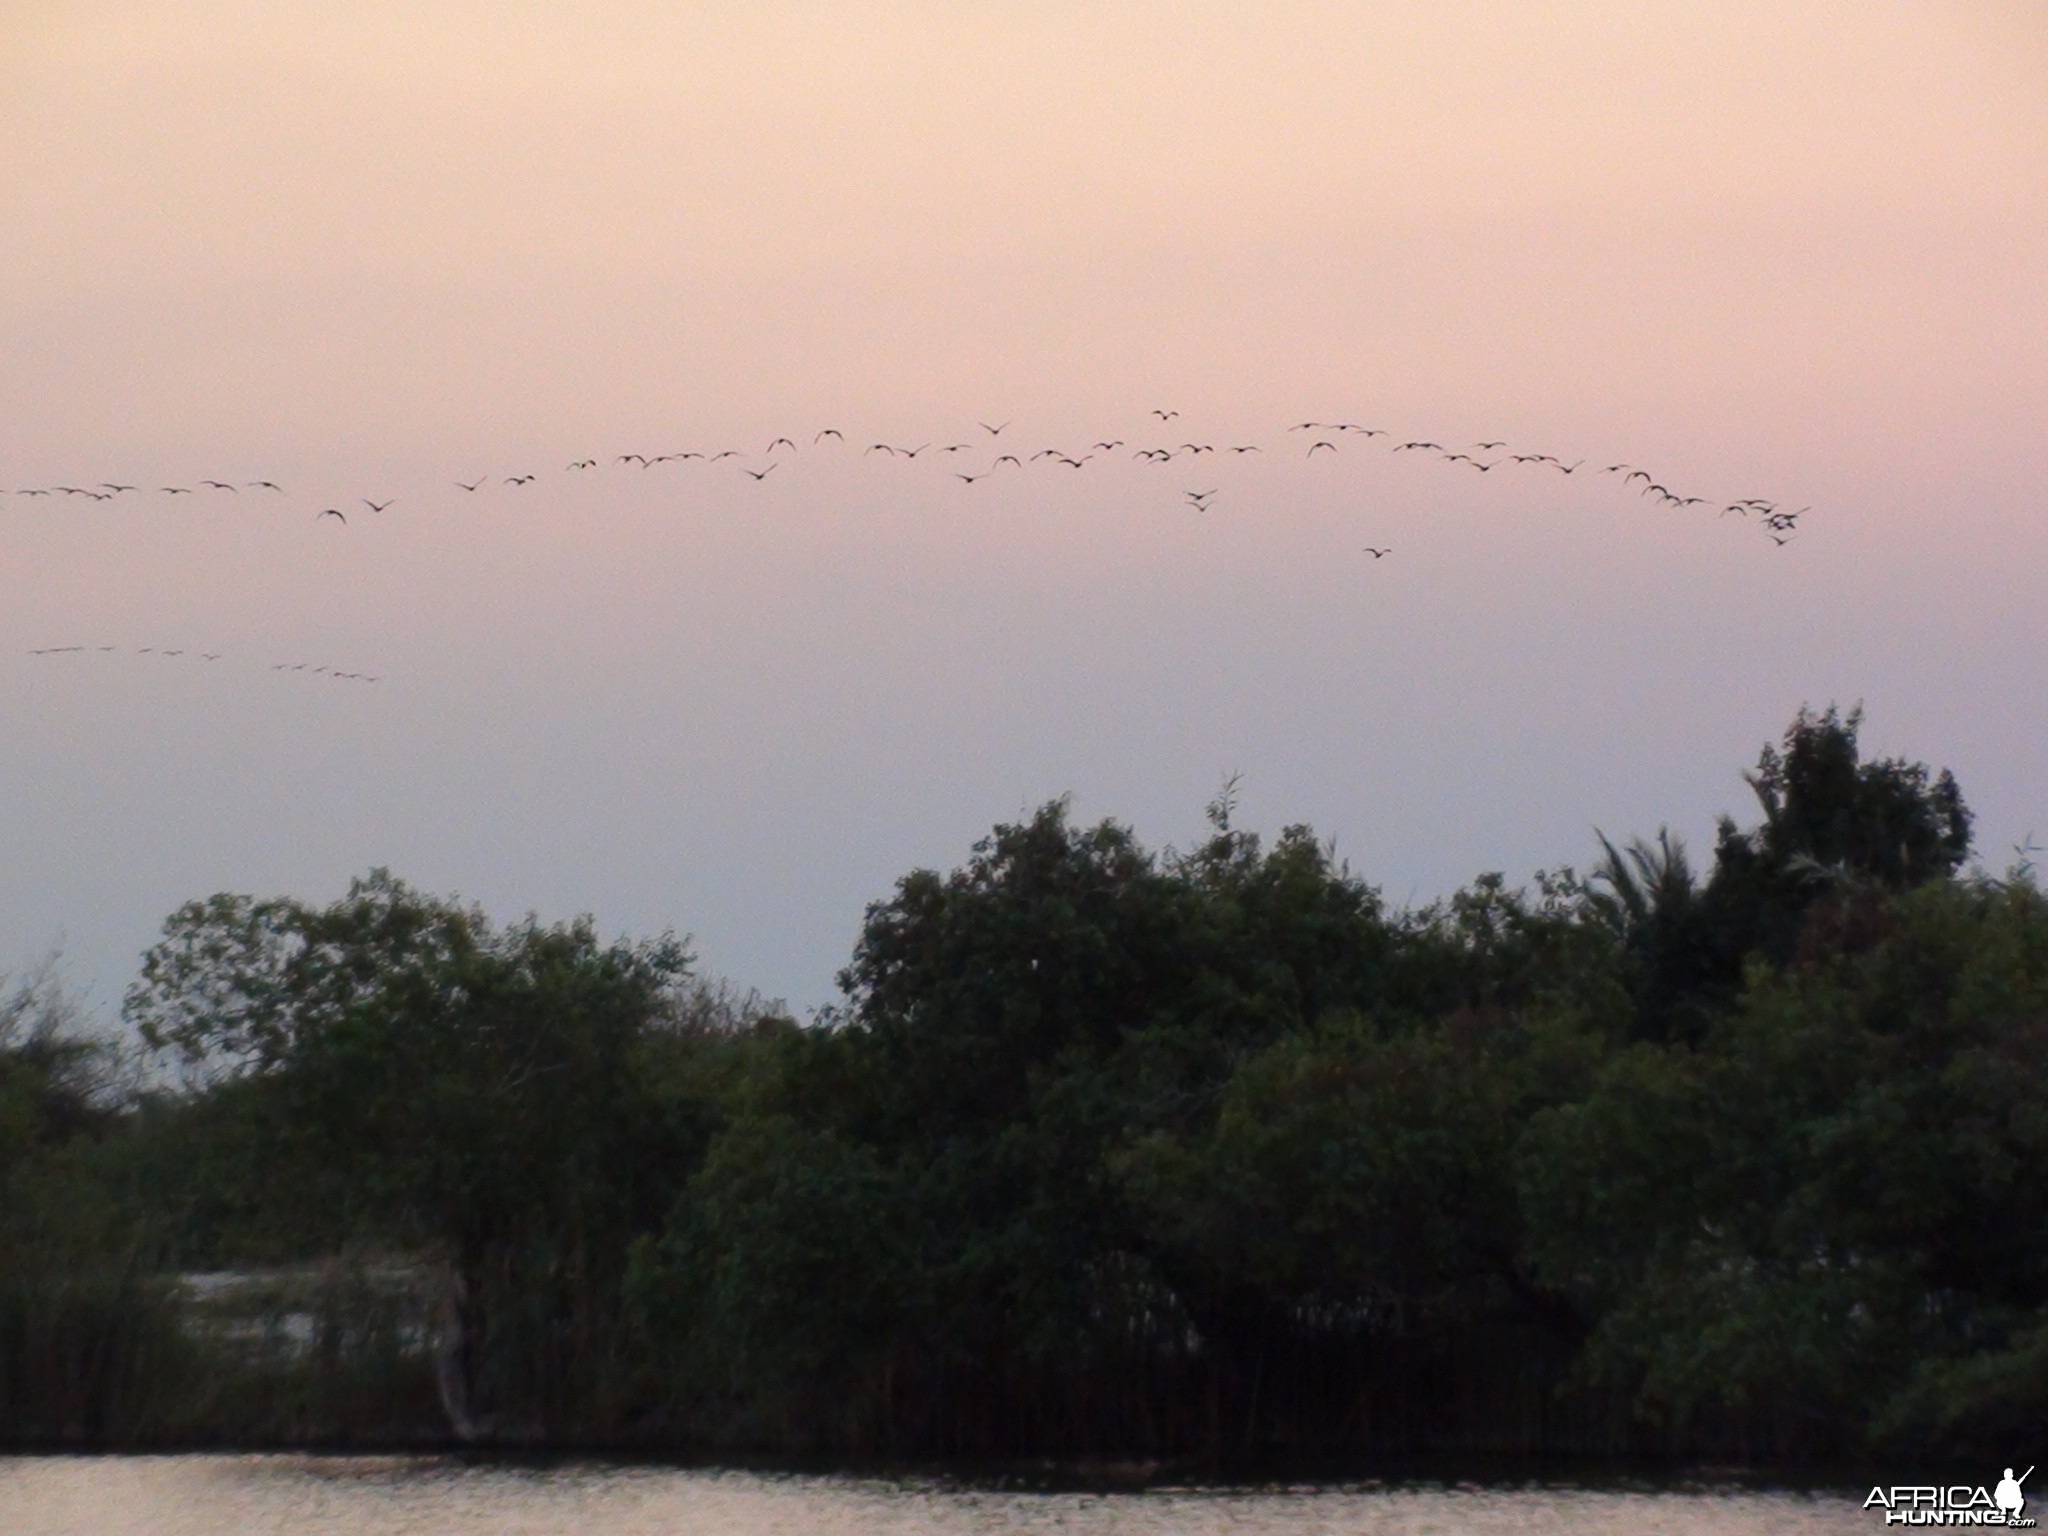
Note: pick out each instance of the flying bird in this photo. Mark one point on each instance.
(829, 432)
(1165, 415)
(1321, 442)
(780, 442)
(218, 485)
(329, 512)
(758, 474)
(375, 506)
(470, 485)
(1378, 554)
(266, 485)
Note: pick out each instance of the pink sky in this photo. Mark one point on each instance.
(1788, 250)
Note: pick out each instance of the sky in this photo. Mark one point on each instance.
(374, 251)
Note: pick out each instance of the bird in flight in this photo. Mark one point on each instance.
(115, 490)
(169, 490)
(519, 480)
(375, 506)
(829, 432)
(330, 512)
(992, 431)
(970, 479)
(758, 474)
(218, 485)
(583, 464)
(1378, 554)
(470, 485)
(1485, 447)
(780, 442)
(1246, 448)
(266, 485)
(1321, 442)
(1165, 415)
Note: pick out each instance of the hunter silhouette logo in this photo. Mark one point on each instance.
(1959, 1505)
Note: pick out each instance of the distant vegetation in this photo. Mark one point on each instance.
(1201, 1154)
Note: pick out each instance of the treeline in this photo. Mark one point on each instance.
(1203, 1154)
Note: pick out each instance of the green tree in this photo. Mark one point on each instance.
(415, 1077)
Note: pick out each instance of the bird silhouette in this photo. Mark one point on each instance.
(266, 485)
(991, 431)
(470, 485)
(1378, 554)
(330, 512)
(758, 474)
(1321, 442)
(829, 432)
(1165, 415)
(376, 506)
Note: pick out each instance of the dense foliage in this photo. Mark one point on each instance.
(1202, 1153)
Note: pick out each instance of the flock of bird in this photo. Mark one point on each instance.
(990, 454)
(167, 653)
(987, 453)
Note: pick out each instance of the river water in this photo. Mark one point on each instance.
(205, 1495)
